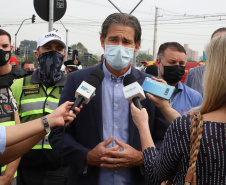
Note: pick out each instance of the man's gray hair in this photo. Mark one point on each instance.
(122, 19)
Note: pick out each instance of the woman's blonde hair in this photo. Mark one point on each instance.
(214, 83)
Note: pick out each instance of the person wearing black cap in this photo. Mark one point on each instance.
(71, 65)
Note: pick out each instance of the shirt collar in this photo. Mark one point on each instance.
(179, 87)
(35, 79)
(110, 76)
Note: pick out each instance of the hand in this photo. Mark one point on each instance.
(4, 180)
(140, 117)
(59, 115)
(159, 80)
(127, 158)
(159, 102)
(94, 155)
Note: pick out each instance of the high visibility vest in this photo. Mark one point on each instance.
(36, 101)
(10, 121)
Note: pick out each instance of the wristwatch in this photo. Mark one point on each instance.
(46, 124)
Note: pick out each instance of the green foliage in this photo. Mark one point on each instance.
(25, 46)
(80, 47)
(190, 60)
(85, 61)
(141, 57)
(88, 61)
(28, 43)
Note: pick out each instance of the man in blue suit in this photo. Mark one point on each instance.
(103, 144)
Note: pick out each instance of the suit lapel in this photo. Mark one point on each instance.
(97, 108)
(132, 126)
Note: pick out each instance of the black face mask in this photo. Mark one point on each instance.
(50, 65)
(173, 74)
(4, 57)
(30, 72)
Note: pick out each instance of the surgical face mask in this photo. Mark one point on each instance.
(173, 74)
(4, 57)
(50, 65)
(118, 56)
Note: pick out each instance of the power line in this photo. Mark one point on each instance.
(184, 33)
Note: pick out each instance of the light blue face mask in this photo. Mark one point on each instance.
(118, 56)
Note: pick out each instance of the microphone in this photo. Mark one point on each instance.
(87, 88)
(132, 90)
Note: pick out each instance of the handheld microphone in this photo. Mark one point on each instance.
(132, 90)
(87, 88)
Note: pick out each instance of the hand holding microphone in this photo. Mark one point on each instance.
(132, 90)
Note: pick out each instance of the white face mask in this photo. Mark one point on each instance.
(118, 56)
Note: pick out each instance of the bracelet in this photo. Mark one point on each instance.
(46, 124)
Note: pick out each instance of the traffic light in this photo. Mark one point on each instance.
(28, 52)
(18, 51)
(75, 55)
(33, 18)
(69, 51)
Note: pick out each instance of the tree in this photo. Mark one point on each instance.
(141, 57)
(80, 47)
(25, 46)
(85, 61)
(30, 44)
(88, 61)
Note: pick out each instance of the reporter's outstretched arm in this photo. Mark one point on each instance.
(20, 138)
(140, 118)
(11, 167)
(169, 113)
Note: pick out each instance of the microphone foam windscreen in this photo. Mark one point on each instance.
(95, 77)
(129, 79)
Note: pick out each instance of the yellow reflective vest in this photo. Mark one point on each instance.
(36, 101)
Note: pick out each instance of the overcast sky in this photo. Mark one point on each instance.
(185, 21)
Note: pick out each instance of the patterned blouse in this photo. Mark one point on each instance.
(172, 160)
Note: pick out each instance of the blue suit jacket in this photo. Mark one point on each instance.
(87, 129)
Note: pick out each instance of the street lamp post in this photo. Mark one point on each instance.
(66, 40)
(33, 19)
(18, 31)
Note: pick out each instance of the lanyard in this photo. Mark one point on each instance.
(174, 99)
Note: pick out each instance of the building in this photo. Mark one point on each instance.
(193, 55)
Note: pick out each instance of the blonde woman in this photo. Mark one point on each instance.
(172, 160)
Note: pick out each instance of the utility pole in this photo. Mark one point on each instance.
(19, 30)
(155, 34)
(66, 50)
(51, 13)
(26, 52)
